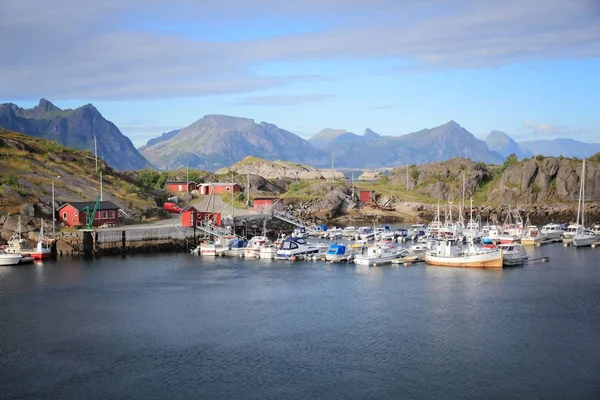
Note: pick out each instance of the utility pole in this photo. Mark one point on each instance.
(407, 177)
(248, 190)
(352, 183)
(187, 176)
(96, 152)
(232, 199)
(100, 185)
(54, 212)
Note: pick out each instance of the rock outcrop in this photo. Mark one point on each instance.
(279, 169)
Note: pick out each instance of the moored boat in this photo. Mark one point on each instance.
(448, 253)
(252, 250)
(513, 254)
(293, 247)
(379, 253)
(553, 230)
(7, 259)
(339, 252)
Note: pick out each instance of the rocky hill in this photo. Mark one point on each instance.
(279, 169)
(28, 166)
(215, 141)
(543, 180)
(74, 128)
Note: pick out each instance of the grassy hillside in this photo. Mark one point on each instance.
(28, 165)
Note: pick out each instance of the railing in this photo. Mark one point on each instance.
(289, 218)
(145, 234)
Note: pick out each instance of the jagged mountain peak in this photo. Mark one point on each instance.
(369, 134)
(46, 106)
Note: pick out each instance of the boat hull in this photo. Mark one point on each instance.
(10, 259)
(586, 240)
(361, 260)
(488, 260)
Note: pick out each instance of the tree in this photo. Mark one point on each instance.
(510, 160)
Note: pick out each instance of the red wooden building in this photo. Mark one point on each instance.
(264, 205)
(218, 188)
(365, 196)
(180, 186)
(75, 213)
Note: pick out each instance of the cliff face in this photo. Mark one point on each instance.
(550, 180)
(443, 180)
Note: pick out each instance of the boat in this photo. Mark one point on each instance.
(339, 252)
(215, 247)
(596, 228)
(252, 250)
(333, 233)
(267, 252)
(301, 232)
(572, 230)
(293, 247)
(17, 245)
(514, 254)
(9, 258)
(531, 234)
(448, 253)
(553, 230)
(42, 250)
(349, 231)
(583, 237)
(365, 232)
(379, 253)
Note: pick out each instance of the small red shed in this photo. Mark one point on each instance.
(75, 213)
(218, 188)
(180, 186)
(264, 205)
(189, 216)
(365, 196)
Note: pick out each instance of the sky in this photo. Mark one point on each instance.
(530, 68)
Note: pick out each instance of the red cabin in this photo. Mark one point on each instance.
(264, 205)
(365, 196)
(190, 216)
(75, 213)
(218, 188)
(180, 186)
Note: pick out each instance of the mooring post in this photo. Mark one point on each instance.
(123, 242)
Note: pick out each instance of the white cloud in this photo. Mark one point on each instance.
(90, 50)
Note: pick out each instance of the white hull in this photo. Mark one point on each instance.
(267, 253)
(364, 260)
(584, 240)
(10, 259)
(492, 259)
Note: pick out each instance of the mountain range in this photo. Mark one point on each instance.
(75, 128)
(216, 141)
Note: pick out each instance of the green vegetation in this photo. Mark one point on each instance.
(510, 160)
(9, 179)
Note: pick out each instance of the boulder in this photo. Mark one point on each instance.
(28, 210)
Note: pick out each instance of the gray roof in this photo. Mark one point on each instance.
(103, 205)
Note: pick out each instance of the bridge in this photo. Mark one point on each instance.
(290, 219)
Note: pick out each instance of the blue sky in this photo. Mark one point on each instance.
(528, 68)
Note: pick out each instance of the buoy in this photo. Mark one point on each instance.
(293, 258)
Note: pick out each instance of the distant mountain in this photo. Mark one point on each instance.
(324, 137)
(428, 145)
(504, 145)
(561, 147)
(75, 128)
(215, 141)
(161, 138)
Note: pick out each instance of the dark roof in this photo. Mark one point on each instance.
(265, 198)
(103, 205)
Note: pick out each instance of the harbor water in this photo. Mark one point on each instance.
(185, 327)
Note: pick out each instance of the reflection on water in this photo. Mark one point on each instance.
(147, 327)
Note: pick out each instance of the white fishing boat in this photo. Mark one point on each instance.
(252, 250)
(583, 237)
(214, 247)
(293, 247)
(448, 253)
(572, 230)
(42, 250)
(553, 230)
(514, 254)
(379, 253)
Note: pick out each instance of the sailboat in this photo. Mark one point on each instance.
(583, 237)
